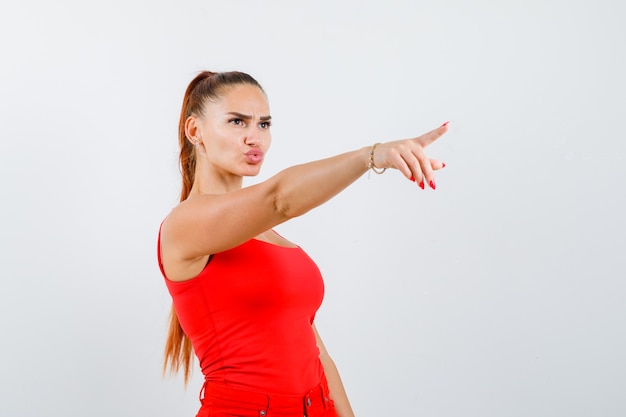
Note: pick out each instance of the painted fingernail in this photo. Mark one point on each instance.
(432, 184)
(412, 178)
(421, 184)
(445, 124)
(443, 165)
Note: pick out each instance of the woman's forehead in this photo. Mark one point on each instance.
(241, 97)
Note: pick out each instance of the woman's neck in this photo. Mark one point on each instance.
(211, 182)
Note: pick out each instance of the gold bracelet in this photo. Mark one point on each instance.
(371, 165)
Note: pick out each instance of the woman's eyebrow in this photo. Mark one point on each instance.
(248, 117)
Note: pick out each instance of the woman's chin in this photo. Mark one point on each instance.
(252, 172)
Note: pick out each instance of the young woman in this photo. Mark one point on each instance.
(244, 297)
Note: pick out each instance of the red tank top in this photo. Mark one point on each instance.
(248, 315)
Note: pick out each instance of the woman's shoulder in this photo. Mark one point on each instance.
(185, 210)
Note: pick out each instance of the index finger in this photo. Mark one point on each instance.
(428, 138)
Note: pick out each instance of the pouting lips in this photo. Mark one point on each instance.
(254, 156)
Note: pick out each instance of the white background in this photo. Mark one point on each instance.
(499, 294)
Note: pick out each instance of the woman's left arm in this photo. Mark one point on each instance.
(335, 386)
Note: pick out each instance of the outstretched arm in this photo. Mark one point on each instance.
(207, 224)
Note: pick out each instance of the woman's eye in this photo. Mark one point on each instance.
(236, 122)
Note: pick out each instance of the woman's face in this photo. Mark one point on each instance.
(235, 131)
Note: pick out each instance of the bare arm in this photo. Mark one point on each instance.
(335, 386)
(207, 224)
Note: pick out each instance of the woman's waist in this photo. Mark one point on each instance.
(216, 394)
(275, 377)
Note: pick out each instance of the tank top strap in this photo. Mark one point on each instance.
(159, 249)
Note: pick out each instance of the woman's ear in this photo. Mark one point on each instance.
(192, 130)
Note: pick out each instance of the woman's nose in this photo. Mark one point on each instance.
(253, 138)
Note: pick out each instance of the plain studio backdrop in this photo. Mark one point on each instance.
(499, 294)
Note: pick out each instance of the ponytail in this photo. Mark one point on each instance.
(178, 346)
(205, 86)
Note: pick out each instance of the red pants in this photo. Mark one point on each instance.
(222, 401)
